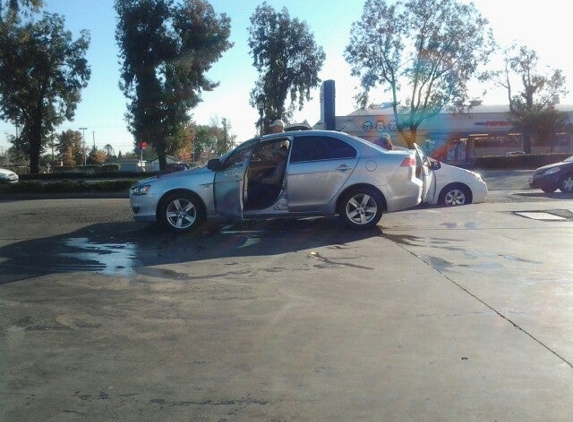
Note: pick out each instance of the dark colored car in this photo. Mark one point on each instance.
(554, 176)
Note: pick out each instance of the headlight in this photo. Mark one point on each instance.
(552, 170)
(140, 189)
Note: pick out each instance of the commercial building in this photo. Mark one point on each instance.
(453, 137)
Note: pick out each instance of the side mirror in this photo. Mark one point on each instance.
(214, 164)
(435, 165)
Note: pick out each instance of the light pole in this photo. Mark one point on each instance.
(261, 122)
(83, 129)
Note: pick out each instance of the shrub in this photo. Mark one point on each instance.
(67, 186)
(525, 162)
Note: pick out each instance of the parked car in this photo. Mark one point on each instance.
(177, 166)
(8, 176)
(449, 185)
(554, 176)
(326, 173)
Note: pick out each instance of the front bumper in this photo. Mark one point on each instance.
(144, 207)
(479, 192)
(541, 181)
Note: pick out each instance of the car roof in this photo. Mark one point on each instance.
(303, 133)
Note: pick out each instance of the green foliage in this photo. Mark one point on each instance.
(109, 168)
(211, 138)
(541, 88)
(205, 140)
(532, 105)
(70, 148)
(540, 123)
(89, 169)
(526, 161)
(422, 52)
(288, 61)
(42, 72)
(166, 50)
(67, 186)
(10, 10)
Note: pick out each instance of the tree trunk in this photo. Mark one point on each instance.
(35, 147)
(160, 149)
(527, 142)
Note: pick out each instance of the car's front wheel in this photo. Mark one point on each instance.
(362, 208)
(181, 212)
(566, 185)
(455, 195)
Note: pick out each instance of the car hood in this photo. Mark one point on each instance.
(6, 172)
(552, 165)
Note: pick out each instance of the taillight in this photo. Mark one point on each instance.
(409, 162)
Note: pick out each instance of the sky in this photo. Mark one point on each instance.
(540, 26)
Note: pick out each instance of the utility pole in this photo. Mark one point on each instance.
(225, 135)
(52, 145)
(83, 129)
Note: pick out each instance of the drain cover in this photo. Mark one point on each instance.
(550, 215)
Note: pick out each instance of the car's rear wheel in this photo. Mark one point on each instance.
(566, 184)
(181, 212)
(362, 208)
(454, 195)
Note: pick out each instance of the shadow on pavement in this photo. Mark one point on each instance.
(125, 249)
(543, 195)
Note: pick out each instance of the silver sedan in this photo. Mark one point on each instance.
(292, 174)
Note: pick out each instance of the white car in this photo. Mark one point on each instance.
(449, 185)
(8, 176)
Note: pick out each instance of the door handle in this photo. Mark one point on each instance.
(343, 167)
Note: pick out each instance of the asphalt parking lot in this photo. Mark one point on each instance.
(459, 314)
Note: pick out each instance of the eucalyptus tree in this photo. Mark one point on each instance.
(533, 91)
(166, 48)
(288, 60)
(422, 52)
(11, 9)
(42, 73)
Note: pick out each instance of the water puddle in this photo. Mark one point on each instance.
(116, 259)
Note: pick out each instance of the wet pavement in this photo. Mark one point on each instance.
(458, 314)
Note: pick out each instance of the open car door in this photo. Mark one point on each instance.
(230, 181)
(425, 173)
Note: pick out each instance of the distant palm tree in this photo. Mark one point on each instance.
(109, 150)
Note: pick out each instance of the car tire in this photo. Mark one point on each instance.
(549, 189)
(362, 208)
(566, 184)
(455, 195)
(181, 212)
